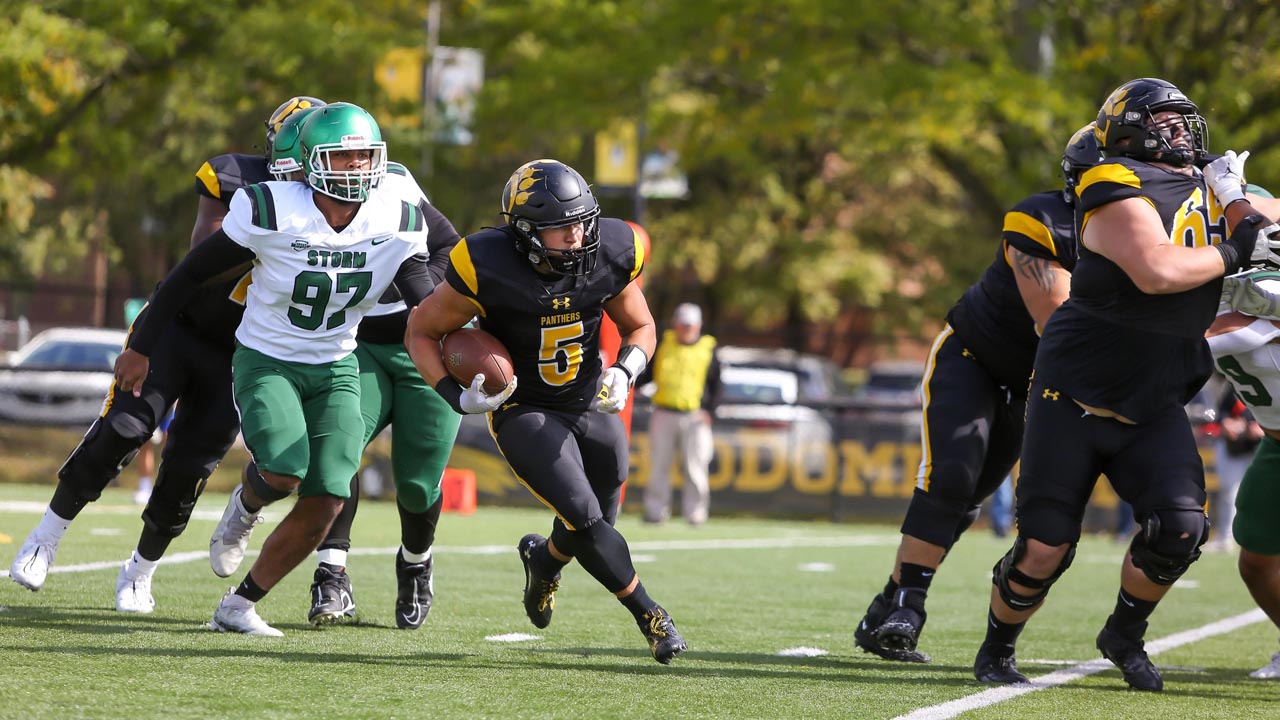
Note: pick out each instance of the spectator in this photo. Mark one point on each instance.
(686, 374)
(1239, 438)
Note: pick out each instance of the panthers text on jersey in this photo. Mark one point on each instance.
(550, 326)
(1113, 346)
(312, 284)
(990, 318)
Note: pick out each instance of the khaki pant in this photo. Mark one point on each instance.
(689, 433)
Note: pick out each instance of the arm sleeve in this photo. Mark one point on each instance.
(441, 237)
(413, 279)
(216, 255)
(711, 392)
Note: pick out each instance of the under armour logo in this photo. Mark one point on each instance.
(1050, 394)
(965, 353)
(560, 303)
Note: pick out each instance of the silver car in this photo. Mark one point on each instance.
(60, 377)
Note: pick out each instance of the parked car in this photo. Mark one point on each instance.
(60, 377)
(755, 398)
(893, 384)
(817, 378)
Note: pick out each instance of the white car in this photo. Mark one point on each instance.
(764, 400)
(60, 377)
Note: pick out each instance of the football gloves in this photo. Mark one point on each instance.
(615, 386)
(475, 400)
(1244, 292)
(1225, 177)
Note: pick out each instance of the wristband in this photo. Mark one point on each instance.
(451, 391)
(632, 361)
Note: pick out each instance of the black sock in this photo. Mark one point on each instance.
(545, 561)
(418, 530)
(1002, 634)
(1130, 616)
(249, 590)
(151, 545)
(915, 576)
(66, 502)
(890, 588)
(638, 602)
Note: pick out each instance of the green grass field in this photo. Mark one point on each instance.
(740, 590)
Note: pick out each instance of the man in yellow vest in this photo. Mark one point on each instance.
(687, 378)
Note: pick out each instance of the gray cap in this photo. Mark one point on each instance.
(687, 314)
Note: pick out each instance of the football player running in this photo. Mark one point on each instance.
(391, 389)
(323, 252)
(975, 396)
(191, 363)
(541, 285)
(1114, 367)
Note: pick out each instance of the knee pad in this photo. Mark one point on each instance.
(938, 519)
(1169, 542)
(173, 500)
(1004, 572)
(259, 485)
(110, 444)
(603, 553)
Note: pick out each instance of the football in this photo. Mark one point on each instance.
(469, 351)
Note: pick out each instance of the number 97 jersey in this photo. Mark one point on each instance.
(549, 324)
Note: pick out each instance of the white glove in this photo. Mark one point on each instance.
(1225, 177)
(1243, 293)
(615, 386)
(475, 400)
(1266, 250)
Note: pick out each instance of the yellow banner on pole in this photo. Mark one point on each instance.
(617, 155)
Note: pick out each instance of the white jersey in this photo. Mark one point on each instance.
(1250, 358)
(311, 284)
(399, 182)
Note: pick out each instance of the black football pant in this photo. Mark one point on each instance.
(196, 374)
(971, 439)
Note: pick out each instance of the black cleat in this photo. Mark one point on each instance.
(331, 598)
(664, 640)
(900, 629)
(864, 636)
(539, 591)
(997, 664)
(415, 590)
(1128, 655)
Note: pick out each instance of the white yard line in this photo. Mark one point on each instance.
(1000, 694)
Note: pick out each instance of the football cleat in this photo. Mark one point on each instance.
(31, 566)
(664, 640)
(997, 664)
(1270, 672)
(900, 630)
(1128, 654)
(331, 598)
(237, 615)
(539, 591)
(864, 636)
(133, 592)
(231, 537)
(415, 589)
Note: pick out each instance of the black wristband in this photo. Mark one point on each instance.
(1230, 258)
(451, 391)
(632, 361)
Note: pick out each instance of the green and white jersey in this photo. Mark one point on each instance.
(312, 284)
(399, 182)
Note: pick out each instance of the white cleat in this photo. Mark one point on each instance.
(133, 593)
(231, 538)
(31, 566)
(237, 615)
(1270, 672)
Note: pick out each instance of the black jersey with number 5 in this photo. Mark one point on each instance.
(1113, 346)
(549, 325)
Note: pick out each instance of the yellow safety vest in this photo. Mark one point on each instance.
(680, 372)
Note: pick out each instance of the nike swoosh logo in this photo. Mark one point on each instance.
(926, 574)
(379, 241)
(1126, 602)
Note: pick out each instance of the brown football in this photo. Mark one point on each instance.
(469, 351)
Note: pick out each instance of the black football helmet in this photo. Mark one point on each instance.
(287, 108)
(1080, 154)
(545, 194)
(1127, 126)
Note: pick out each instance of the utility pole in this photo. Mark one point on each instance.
(432, 28)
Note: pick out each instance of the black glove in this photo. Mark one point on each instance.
(1237, 250)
